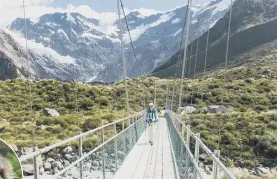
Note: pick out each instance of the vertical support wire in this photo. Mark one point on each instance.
(196, 152)
(215, 166)
(227, 48)
(115, 149)
(134, 52)
(123, 60)
(103, 153)
(80, 155)
(167, 93)
(155, 93)
(185, 55)
(33, 118)
(189, 66)
(188, 135)
(173, 93)
(205, 61)
(196, 57)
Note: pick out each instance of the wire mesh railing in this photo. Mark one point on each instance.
(100, 161)
(187, 163)
(105, 160)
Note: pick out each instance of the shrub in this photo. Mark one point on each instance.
(86, 103)
(110, 117)
(260, 108)
(92, 123)
(103, 101)
(245, 100)
(271, 152)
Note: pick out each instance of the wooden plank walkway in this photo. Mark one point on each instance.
(149, 162)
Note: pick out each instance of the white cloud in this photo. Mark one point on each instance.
(34, 9)
(104, 17)
(18, 3)
(37, 8)
(143, 11)
(147, 12)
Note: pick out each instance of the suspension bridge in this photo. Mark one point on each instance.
(124, 151)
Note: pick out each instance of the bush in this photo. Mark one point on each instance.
(245, 100)
(260, 108)
(103, 101)
(110, 117)
(272, 125)
(92, 123)
(271, 152)
(86, 103)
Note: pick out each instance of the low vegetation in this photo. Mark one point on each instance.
(245, 134)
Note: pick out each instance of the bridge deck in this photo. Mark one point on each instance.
(149, 162)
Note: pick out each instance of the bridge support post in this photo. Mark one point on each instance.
(167, 95)
(188, 135)
(115, 149)
(103, 153)
(172, 99)
(196, 152)
(36, 167)
(215, 166)
(155, 97)
(80, 155)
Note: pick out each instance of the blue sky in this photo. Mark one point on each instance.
(99, 8)
(110, 5)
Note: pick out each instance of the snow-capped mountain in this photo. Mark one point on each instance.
(43, 62)
(159, 40)
(93, 46)
(253, 25)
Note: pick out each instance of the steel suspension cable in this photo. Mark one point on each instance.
(74, 80)
(123, 60)
(205, 60)
(195, 63)
(129, 33)
(182, 38)
(227, 47)
(185, 55)
(225, 70)
(179, 55)
(28, 60)
(173, 93)
(33, 117)
(196, 53)
(134, 51)
(190, 58)
(196, 56)
(189, 64)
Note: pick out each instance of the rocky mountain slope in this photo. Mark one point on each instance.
(253, 24)
(93, 45)
(43, 62)
(160, 42)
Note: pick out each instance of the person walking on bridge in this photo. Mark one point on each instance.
(150, 117)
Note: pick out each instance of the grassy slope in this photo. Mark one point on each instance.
(94, 103)
(246, 135)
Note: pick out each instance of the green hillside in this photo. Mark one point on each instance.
(246, 137)
(253, 25)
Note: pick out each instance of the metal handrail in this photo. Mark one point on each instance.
(92, 151)
(48, 148)
(189, 152)
(204, 147)
(210, 153)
